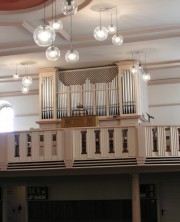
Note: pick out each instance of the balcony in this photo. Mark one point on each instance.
(93, 147)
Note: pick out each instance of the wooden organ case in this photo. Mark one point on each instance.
(110, 93)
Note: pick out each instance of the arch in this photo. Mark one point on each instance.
(6, 116)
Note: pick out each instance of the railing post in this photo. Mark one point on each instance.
(68, 148)
(141, 150)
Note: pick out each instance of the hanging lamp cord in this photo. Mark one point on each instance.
(44, 12)
(71, 31)
(111, 19)
(116, 22)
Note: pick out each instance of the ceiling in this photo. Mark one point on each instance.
(151, 26)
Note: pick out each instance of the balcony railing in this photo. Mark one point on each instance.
(90, 147)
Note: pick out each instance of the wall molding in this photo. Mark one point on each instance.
(19, 93)
(164, 104)
(164, 81)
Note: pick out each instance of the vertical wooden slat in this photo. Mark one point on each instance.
(90, 144)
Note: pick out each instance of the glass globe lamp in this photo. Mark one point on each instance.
(56, 24)
(27, 81)
(111, 29)
(146, 76)
(72, 56)
(69, 7)
(100, 33)
(117, 40)
(25, 90)
(52, 53)
(140, 66)
(133, 70)
(44, 35)
(16, 76)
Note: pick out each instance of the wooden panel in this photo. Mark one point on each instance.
(79, 121)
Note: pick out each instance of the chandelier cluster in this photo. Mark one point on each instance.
(44, 35)
(135, 68)
(101, 32)
(26, 80)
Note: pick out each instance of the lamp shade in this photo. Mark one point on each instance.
(111, 29)
(133, 70)
(27, 81)
(16, 76)
(100, 33)
(52, 53)
(72, 56)
(56, 24)
(44, 35)
(25, 90)
(146, 76)
(117, 40)
(69, 7)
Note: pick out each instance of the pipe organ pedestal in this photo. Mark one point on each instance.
(111, 91)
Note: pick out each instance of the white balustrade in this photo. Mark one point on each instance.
(162, 141)
(93, 143)
(45, 145)
(104, 150)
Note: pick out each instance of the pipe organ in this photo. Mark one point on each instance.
(97, 98)
(47, 97)
(128, 93)
(101, 91)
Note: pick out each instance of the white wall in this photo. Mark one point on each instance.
(26, 111)
(164, 103)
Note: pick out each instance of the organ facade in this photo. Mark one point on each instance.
(106, 92)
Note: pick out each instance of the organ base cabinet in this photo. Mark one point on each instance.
(79, 121)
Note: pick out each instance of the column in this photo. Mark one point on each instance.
(136, 208)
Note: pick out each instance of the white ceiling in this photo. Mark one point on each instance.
(151, 26)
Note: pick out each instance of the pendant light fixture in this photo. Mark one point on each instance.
(16, 75)
(44, 35)
(100, 32)
(146, 76)
(117, 39)
(56, 23)
(72, 56)
(52, 52)
(111, 27)
(25, 90)
(133, 70)
(69, 7)
(140, 65)
(27, 80)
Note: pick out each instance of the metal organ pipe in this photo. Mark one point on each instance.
(128, 92)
